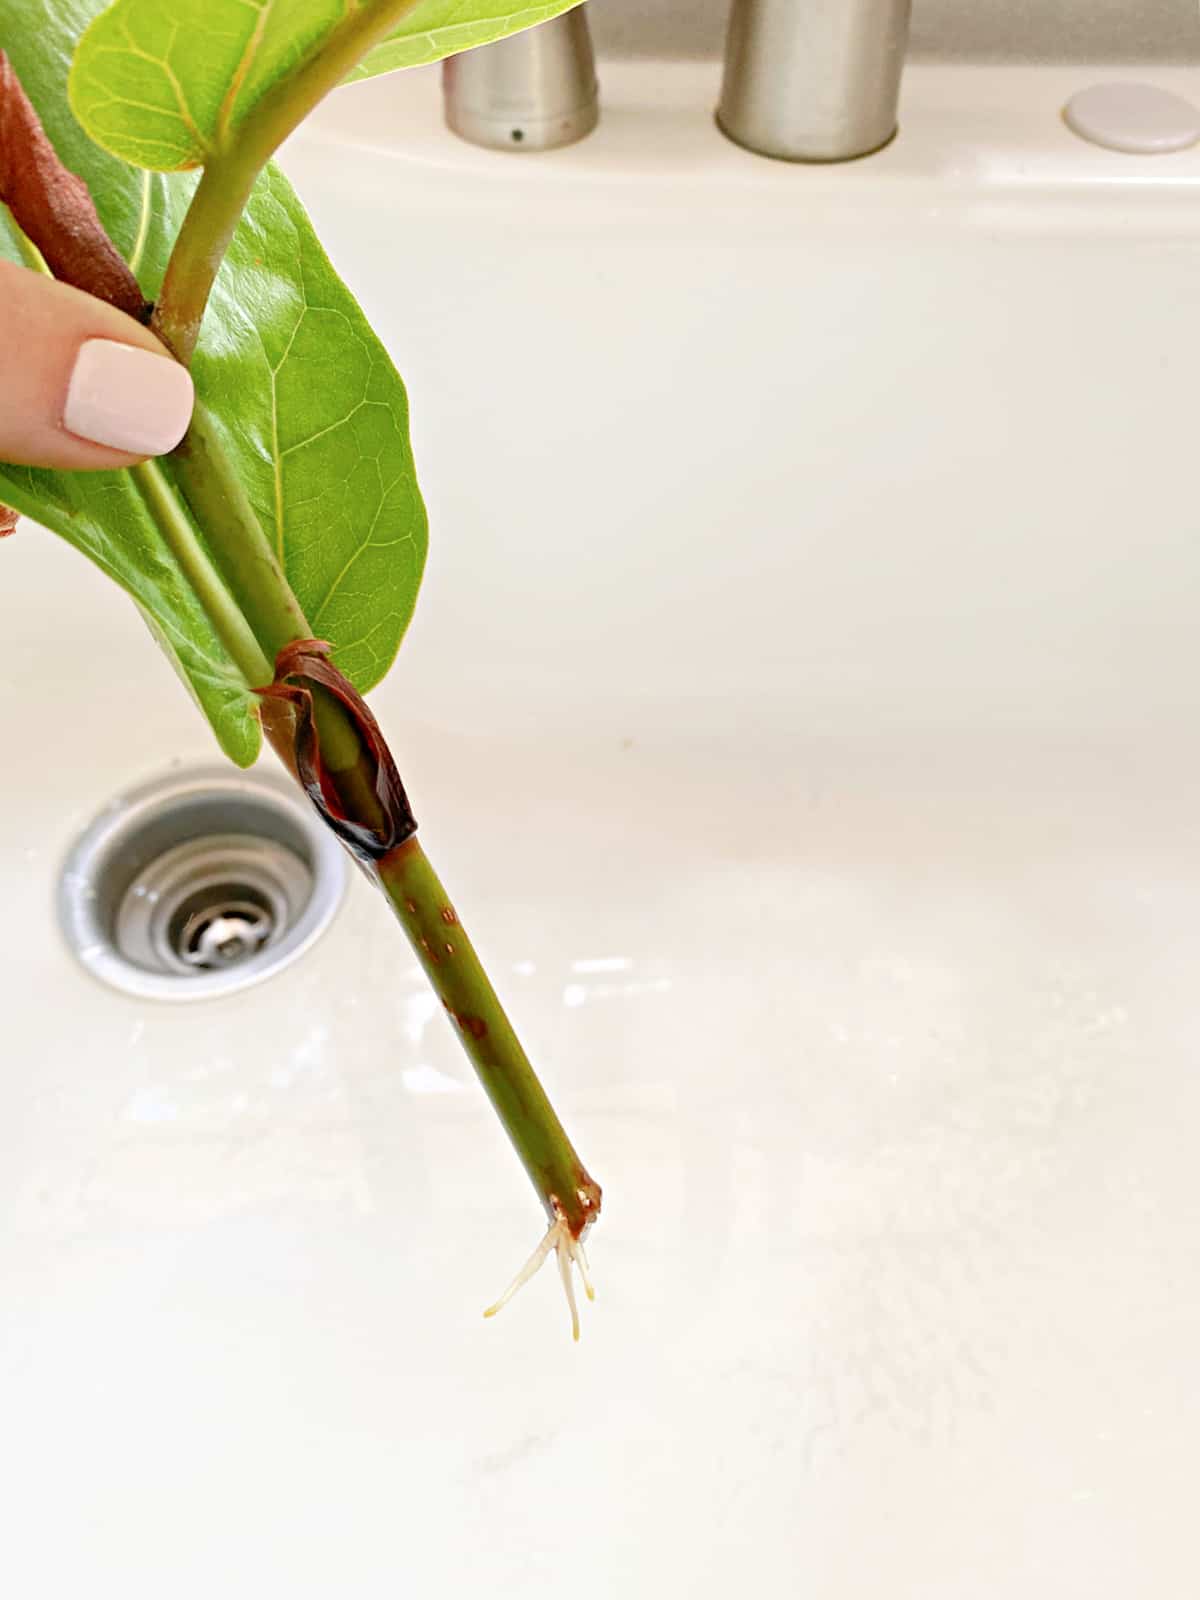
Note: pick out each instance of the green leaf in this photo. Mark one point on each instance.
(167, 84)
(315, 419)
(434, 29)
(308, 405)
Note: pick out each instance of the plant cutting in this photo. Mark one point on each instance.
(277, 551)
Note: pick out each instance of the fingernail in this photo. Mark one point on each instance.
(127, 398)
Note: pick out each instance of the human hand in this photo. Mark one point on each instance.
(82, 385)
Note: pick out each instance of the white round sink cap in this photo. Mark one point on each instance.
(1135, 117)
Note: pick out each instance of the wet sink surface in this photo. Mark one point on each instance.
(802, 709)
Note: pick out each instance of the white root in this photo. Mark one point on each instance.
(581, 1261)
(569, 1250)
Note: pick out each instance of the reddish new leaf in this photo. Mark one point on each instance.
(53, 207)
(299, 668)
(8, 520)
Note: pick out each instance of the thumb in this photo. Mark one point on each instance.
(81, 384)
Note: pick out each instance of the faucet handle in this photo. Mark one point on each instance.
(813, 80)
(532, 91)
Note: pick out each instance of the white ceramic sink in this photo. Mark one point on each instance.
(804, 708)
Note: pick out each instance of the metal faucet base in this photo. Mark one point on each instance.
(802, 161)
(522, 132)
(532, 91)
(813, 80)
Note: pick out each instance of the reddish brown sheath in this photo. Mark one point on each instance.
(53, 208)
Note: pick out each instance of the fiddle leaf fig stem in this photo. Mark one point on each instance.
(382, 834)
(249, 566)
(570, 1196)
(296, 469)
(427, 916)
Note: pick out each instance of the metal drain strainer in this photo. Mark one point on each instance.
(199, 884)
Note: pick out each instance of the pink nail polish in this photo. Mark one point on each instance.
(127, 398)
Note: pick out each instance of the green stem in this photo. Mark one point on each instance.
(271, 617)
(247, 585)
(229, 173)
(246, 556)
(255, 576)
(443, 949)
(222, 607)
(202, 469)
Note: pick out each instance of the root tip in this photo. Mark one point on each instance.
(569, 1251)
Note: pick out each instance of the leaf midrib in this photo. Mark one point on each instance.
(240, 73)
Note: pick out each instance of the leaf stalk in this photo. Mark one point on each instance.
(221, 602)
(229, 173)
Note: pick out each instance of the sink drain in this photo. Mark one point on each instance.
(217, 930)
(199, 884)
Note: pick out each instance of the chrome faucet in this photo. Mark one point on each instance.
(532, 91)
(813, 80)
(805, 80)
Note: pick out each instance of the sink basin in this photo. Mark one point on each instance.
(804, 709)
